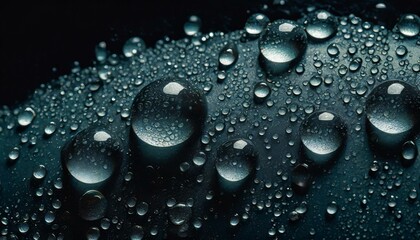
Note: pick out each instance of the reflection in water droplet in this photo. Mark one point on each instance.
(392, 110)
(26, 117)
(92, 205)
(281, 45)
(409, 25)
(192, 26)
(321, 25)
(133, 46)
(256, 24)
(166, 116)
(236, 160)
(323, 134)
(180, 214)
(92, 156)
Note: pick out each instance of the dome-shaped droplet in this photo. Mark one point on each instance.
(92, 156)
(92, 205)
(323, 134)
(39, 172)
(166, 117)
(332, 209)
(281, 45)
(180, 214)
(409, 25)
(236, 160)
(321, 25)
(261, 92)
(301, 178)
(392, 110)
(26, 117)
(192, 26)
(133, 46)
(409, 153)
(256, 24)
(228, 56)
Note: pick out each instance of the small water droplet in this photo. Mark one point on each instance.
(256, 24)
(39, 172)
(133, 46)
(26, 117)
(101, 52)
(332, 209)
(321, 25)
(261, 92)
(192, 26)
(228, 56)
(409, 153)
(180, 214)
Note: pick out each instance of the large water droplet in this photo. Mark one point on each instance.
(26, 117)
(133, 46)
(392, 110)
(92, 205)
(92, 156)
(321, 25)
(256, 24)
(409, 25)
(167, 116)
(281, 45)
(236, 160)
(323, 135)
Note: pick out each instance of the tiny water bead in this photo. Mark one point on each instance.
(321, 25)
(281, 45)
(236, 160)
(323, 135)
(392, 111)
(256, 24)
(92, 205)
(166, 116)
(409, 25)
(133, 46)
(26, 117)
(92, 156)
(228, 56)
(192, 26)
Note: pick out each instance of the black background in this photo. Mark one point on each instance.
(37, 36)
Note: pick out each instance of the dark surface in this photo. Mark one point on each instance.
(38, 36)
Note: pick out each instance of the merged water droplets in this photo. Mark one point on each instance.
(92, 156)
(323, 135)
(392, 111)
(236, 160)
(281, 45)
(321, 25)
(166, 116)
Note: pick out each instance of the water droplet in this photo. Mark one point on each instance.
(39, 172)
(401, 51)
(228, 56)
(409, 153)
(192, 26)
(392, 110)
(200, 159)
(23, 227)
(409, 25)
(26, 117)
(100, 52)
(321, 25)
(93, 233)
(256, 24)
(301, 178)
(323, 134)
(166, 117)
(133, 46)
(14, 154)
(234, 221)
(332, 209)
(281, 45)
(137, 233)
(50, 128)
(355, 64)
(92, 205)
(180, 214)
(315, 81)
(92, 156)
(142, 208)
(236, 160)
(333, 50)
(261, 92)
